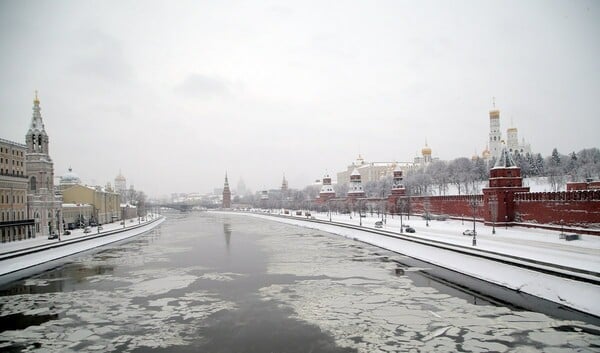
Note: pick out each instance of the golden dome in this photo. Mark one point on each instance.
(486, 153)
(426, 150)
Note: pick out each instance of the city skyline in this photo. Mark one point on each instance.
(173, 95)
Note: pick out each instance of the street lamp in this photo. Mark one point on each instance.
(474, 204)
(401, 226)
(494, 210)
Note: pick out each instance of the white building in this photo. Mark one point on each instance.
(371, 171)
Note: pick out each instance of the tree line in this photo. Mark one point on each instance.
(464, 175)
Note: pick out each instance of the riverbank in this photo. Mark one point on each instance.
(535, 262)
(19, 259)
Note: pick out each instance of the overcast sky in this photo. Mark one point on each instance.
(175, 93)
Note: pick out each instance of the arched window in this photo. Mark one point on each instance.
(32, 184)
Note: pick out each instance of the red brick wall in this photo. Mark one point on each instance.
(454, 206)
(574, 208)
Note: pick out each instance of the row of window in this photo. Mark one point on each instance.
(5, 160)
(15, 216)
(5, 150)
(6, 198)
(14, 172)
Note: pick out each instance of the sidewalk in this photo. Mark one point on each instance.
(75, 234)
(536, 244)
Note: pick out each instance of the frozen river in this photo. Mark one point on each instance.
(207, 282)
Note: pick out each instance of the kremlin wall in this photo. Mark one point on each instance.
(504, 202)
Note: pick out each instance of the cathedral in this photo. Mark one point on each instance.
(496, 141)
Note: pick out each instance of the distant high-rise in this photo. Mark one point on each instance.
(226, 194)
(120, 183)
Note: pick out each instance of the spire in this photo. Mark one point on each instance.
(504, 159)
(37, 125)
(226, 181)
(494, 102)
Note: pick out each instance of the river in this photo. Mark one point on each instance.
(206, 282)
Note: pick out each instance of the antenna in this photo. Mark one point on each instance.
(494, 102)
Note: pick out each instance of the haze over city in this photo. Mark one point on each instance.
(176, 93)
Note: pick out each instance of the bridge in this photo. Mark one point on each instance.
(180, 206)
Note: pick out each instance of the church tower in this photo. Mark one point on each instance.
(43, 207)
(226, 194)
(495, 134)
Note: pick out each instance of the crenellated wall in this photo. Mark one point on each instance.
(454, 206)
(574, 208)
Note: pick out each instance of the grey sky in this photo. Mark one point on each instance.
(174, 93)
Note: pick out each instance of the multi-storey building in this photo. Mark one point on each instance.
(14, 221)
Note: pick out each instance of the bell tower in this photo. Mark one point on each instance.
(43, 206)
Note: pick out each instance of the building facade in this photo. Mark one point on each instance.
(371, 171)
(42, 203)
(15, 223)
(77, 215)
(106, 204)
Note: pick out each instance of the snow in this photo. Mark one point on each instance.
(534, 244)
(68, 245)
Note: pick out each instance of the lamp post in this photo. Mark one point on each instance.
(494, 210)
(58, 223)
(401, 226)
(474, 204)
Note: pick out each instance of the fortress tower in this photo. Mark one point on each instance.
(327, 191)
(355, 189)
(498, 197)
(398, 182)
(226, 194)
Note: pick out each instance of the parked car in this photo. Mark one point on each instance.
(379, 224)
(87, 230)
(53, 236)
(298, 213)
(67, 232)
(470, 232)
(409, 230)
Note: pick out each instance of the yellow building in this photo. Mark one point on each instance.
(106, 204)
(76, 215)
